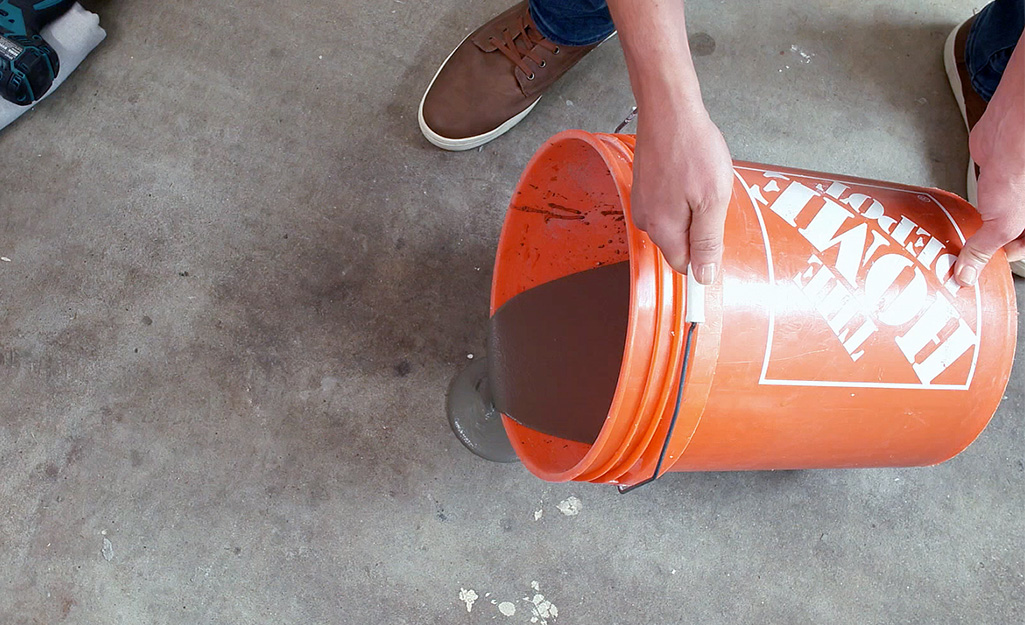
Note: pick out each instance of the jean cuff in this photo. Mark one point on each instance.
(564, 39)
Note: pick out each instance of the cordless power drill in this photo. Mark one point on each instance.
(28, 65)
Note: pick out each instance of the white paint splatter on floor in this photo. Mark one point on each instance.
(571, 506)
(538, 514)
(468, 597)
(108, 550)
(542, 611)
(805, 57)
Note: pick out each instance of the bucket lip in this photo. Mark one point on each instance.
(629, 439)
(663, 382)
(604, 452)
(661, 368)
(630, 409)
(639, 462)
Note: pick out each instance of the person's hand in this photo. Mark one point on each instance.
(683, 177)
(1002, 206)
(997, 145)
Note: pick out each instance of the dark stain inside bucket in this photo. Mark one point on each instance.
(554, 352)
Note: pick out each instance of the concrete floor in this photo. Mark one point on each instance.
(240, 282)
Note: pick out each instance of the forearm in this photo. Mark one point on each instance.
(653, 35)
(682, 173)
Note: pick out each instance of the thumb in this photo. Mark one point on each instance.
(978, 250)
(706, 243)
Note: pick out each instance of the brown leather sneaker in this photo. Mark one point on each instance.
(971, 104)
(492, 80)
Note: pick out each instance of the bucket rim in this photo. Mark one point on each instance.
(649, 375)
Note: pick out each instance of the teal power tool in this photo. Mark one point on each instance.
(28, 65)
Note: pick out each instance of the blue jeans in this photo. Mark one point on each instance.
(990, 42)
(572, 22)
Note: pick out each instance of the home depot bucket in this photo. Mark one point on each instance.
(835, 335)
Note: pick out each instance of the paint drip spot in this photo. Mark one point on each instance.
(805, 57)
(507, 608)
(571, 506)
(702, 44)
(542, 611)
(468, 597)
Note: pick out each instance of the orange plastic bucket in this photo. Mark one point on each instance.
(835, 335)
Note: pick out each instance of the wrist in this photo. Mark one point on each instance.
(673, 119)
(997, 141)
(653, 36)
(669, 97)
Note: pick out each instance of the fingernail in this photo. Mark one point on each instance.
(706, 273)
(967, 275)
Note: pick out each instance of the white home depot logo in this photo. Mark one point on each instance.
(861, 296)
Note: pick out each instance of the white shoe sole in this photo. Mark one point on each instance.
(950, 64)
(468, 143)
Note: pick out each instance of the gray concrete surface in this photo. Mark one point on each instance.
(240, 281)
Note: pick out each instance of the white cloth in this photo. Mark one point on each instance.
(72, 36)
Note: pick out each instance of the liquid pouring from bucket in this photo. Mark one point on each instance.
(470, 406)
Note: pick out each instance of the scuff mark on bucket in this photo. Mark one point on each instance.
(570, 213)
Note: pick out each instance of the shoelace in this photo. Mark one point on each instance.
(524, 35)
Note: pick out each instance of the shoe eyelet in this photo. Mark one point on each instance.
(543, 63)
(557, 50)
(531, 77)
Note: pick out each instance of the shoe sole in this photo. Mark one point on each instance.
(468, 143)
(950, 64)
